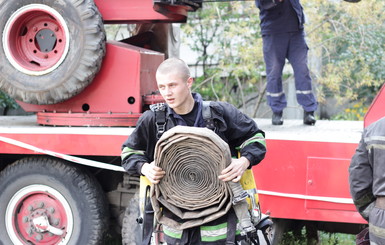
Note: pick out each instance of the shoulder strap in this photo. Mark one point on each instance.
(207, 115)
(160, 118)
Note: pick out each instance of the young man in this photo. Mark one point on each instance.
(283, 35)
(185, 108)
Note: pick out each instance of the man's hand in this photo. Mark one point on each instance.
(235, 170)
(153, 173)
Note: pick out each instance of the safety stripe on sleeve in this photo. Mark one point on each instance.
(256, 138)
(128, 152)
(377, 138)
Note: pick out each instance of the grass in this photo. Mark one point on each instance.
(325, 238)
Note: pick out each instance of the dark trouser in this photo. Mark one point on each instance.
(276, 48)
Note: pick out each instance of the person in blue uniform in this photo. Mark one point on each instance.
(282, 29)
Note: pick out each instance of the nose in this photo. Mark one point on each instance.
(168, 91)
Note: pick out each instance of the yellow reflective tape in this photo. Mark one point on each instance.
(256, 138)
(128, 151)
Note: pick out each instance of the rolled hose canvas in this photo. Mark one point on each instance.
(192, 159)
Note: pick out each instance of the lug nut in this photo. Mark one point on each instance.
(38, 237)
(25, 219)
(55, 222)
(30, 208)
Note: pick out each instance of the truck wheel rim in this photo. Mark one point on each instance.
(36, 39)
(33, 202)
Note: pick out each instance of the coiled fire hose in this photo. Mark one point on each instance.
(192, 159)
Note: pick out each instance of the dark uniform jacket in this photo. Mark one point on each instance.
(367, 168)
(232, 126)
(235, 128)
(280, 17)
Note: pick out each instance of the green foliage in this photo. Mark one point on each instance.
(299, 237)
(227, 35)
(349, 39)
(296, 237)
(353, 113)
(6, 101)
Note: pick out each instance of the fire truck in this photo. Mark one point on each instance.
(60, 175)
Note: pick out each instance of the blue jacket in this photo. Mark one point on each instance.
(280, 17)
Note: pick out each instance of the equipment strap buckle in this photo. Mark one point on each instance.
(240, 197)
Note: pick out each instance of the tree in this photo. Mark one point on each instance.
(228, 40)
(350, 38)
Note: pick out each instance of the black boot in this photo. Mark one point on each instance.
(277, 118)
(308, 118)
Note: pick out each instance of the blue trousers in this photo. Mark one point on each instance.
(276, 49)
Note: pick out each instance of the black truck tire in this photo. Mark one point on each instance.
(280, 226)
(50, 50)
(47, 201)
(131, 229)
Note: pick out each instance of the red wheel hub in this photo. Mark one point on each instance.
(28, 213)
(36, 39)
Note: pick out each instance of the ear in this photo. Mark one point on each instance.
(190, 81)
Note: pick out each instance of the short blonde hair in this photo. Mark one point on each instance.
(174, 66)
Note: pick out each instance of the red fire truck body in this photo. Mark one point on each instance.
(305, 173)
(304, 176)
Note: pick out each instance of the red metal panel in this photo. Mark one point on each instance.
(71, 144)
(376, 110)
(328, 177)
(86, 119)
(287, 169)
(127, 74)
(135, 11)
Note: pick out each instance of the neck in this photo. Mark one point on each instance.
(187, 107)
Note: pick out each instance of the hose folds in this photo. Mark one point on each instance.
(192, 159)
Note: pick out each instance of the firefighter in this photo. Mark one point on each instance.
(183, 107)
(282, 29)
(367, 180)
